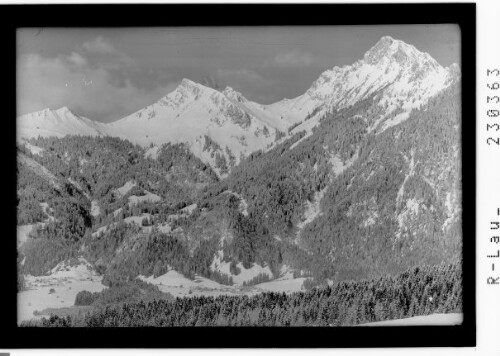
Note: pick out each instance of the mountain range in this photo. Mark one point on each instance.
(223, 124)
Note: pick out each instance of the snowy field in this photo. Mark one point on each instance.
(433, 319)
(179, 286)
(286, 284)
(58, 289)
(149, 197)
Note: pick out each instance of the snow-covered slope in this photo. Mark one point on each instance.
(398, 76)
(271, 118)
(432, 319)
(191, 114)
(60, 122)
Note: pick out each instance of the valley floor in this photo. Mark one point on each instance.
(179, 286)
(59, 289)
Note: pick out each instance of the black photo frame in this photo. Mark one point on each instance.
(135, 15)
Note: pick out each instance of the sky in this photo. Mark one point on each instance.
(108, 73)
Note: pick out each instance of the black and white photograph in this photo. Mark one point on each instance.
(239, 176)
(235, 182)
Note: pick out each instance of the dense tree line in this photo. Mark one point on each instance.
(260, 278)
(131, 292)
(31, 191)
(41, 255)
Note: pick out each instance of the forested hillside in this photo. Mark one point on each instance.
(383, 202)
(342, 203)
(73, 185)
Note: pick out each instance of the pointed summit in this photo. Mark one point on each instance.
(186, 89)
(379, 51)
(59, 123)
(390, 50)
(186, 83)
(64, 111)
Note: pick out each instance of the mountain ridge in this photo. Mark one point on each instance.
(222, 122)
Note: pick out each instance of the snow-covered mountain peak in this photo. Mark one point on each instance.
(389, 51)
(381, 49)
(189, 84)
(190, 87)
(60, 122)
(234, 95)
(396, 74)
(64, 110)
(388, 47)
(186, 92)
(60, 115)
(219, 127)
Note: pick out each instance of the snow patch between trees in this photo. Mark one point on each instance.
(243, 206)
(152, 152)
(313, 209)
(34, 149)
(95, 209)
(23, 232)
(338, 166)
(124, 189)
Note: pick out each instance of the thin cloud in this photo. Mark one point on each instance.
(101, 52)
(77, 59)
(293, 58)
(241, 76)
(88, 90)
(99, 45)
(249, 82)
